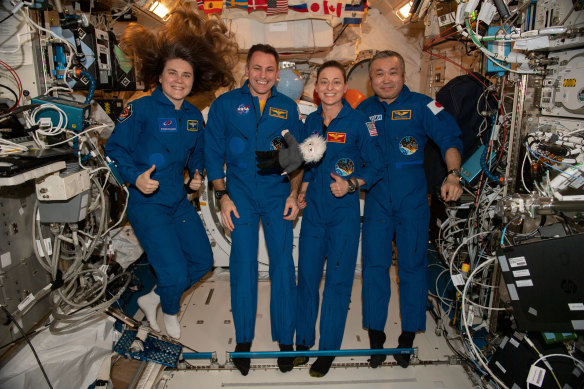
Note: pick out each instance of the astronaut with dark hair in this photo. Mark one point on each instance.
(398, 204)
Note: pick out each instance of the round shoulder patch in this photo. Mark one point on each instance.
(408, 145)
(277, 143)
(344, 167)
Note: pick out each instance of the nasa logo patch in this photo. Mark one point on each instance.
(242, 109)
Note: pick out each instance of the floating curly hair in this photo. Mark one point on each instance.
(204, 43)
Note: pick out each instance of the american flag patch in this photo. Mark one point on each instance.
(277, 7)
(372, 129)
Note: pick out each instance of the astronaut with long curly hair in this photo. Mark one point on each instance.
(158, 136)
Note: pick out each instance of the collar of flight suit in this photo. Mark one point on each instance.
(171, 145)
(342, 113)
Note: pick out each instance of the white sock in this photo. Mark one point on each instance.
(172, 325)
(149, 305)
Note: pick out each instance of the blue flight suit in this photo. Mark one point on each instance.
(331, 225)
(236, 129)
(399, 204)
(151, 132)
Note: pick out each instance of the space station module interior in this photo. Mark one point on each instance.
(505, 260)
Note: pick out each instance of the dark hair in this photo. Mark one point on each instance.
(388, 54)
(264, 49)
(206, 45)
(332, 64)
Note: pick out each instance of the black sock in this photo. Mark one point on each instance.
(286, 363)
(321, 366)
(405, 340)
(242, 364)
(376, 340)
(301, 360)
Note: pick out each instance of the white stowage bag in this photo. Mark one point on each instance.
(125, 245)
(71, 360)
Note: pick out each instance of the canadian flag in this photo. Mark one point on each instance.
(332, 8)
(435, 107)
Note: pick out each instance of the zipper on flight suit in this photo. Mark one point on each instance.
(258, 123)
(255, 170)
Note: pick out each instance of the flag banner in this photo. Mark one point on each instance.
(277, 7)
(236, 4)
(298, 7)
(332, 8)
(213, 6)
(315, 7)
(353, 14)
(257, 5)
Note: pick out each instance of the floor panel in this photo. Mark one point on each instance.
(207, 326)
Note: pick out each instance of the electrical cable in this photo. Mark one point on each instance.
(30, 345)
(530, 343)
(84, 287)
(71, 47)
(579, 364)
(7, 17)
(17, 79)
(464, 322)
(9, 147)
(15, 97)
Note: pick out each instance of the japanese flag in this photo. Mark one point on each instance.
(435, 107)
(315, 7)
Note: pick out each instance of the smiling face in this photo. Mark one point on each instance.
(262, 71)
(331, 86)
(387, 78)
(176, 80)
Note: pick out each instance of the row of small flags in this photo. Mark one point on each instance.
(351, 13)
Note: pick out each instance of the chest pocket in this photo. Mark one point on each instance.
(342, 154)
(409, 139)
(275, 141)
(191, 144)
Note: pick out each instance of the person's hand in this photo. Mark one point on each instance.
(291, 208)
(451, 189)
(302, 199)
(196, 181)
(227, 207)
(340, 186)
(145, 184)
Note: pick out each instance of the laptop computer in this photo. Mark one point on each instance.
(545, 281)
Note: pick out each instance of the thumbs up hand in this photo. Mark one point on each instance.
(339, 186)
(196, 181)
(145, 184)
